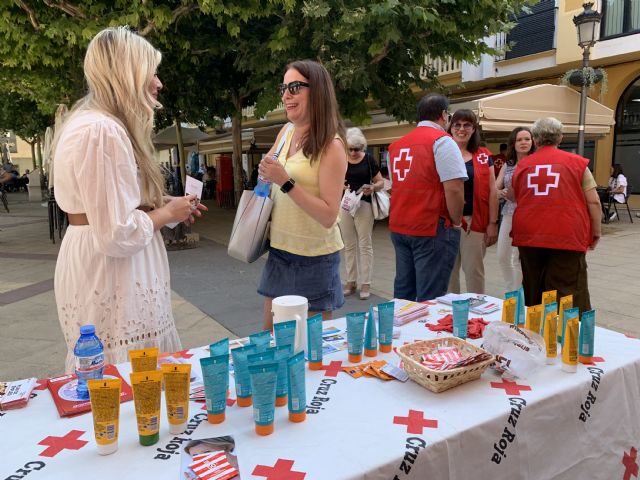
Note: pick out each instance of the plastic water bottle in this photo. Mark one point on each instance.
(263, 187)
(89, 354)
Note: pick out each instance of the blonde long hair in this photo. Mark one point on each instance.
(119, 67)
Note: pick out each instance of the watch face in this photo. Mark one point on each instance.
(287, 186)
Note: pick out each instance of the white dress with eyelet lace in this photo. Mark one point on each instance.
(114, 272)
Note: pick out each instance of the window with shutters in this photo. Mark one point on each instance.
(619, 17)
(535, 31)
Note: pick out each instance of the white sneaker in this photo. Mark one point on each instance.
(613, 216)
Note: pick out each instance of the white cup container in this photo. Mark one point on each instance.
(292, 307)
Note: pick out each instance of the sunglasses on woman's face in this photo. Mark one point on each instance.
(293, 87)
(355, 149)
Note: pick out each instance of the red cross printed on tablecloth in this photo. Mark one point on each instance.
(597, 359)
(280, 471)
(630, 336)
(182, 354)
(415, 422)
(231, 402)
(56, 444)
(543, 182)
(483, 159)
(510, 388)
(41, 384)
(402, 164)
(630, 464)
(333, 369)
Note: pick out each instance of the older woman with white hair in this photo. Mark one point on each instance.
(557, 218)
(363, 173)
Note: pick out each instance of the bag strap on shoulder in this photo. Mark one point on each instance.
(282, 141)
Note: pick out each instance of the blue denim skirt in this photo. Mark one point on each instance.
(316, 278)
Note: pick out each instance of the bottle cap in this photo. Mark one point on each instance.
(245, 401)
(107, 449)
(281, 401)
(87, 329)
(370, 353)
(215, 417)
(148, 440)
(385, 348)
(264, 429)
(297, 417)
(177, 428)
(355, 358)
(586, 360)
(315, 365)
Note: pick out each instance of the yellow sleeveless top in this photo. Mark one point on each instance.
(292, 229)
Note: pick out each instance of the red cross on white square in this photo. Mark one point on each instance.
(56, 444)
(415, 422)
(630, 464)
(280, 471)
(402, 164)
(333, 369)
(543, 180)
(483, 158)
(510, 388)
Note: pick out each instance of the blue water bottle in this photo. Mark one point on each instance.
(263, 187)
(89, 354)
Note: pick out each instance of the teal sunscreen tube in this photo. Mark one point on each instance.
(241, 371)
(262, 340)
(297, 388)
(371, 335)
(285, 333)
(281, 356)
(587, 336)
(385, 325)
(314, 341)
(215, 372)
(548, 308)
(355, 336)
(219, 348)
(521, 315)
(263, 385)
(460, 318)
(266, 356)
(569, 313)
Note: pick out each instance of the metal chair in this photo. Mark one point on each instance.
(615, 204)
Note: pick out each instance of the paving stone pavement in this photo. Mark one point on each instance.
(215, 296)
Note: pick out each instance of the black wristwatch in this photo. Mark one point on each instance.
(287, 186)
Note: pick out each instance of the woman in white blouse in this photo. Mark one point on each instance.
(618, 183)
(112, 269)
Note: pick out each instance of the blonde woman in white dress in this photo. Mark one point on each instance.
(112, 269)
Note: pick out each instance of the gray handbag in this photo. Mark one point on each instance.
(250, 233)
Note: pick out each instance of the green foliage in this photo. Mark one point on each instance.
(22, 116)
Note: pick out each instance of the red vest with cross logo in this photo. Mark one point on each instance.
(481, 172)
(551, 209)
(417, 200)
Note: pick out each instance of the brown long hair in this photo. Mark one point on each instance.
(324, 117)
(464, 114)
(512, 156)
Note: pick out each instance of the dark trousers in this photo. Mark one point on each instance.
(549, 269)
(424, 264)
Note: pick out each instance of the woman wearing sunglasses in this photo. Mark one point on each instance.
(363, 174)
(308, 179)
(480, 213)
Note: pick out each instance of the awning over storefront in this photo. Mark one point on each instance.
(252, 138)
(168, 137)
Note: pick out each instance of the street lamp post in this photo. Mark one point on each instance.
(587, 24)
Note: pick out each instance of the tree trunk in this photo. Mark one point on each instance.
(33, 153)
(236, 129)
(181, 155)
(40, 153)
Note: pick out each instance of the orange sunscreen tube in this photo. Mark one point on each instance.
(144, 360)
(570, 346)
(147, 387)
(565, 304)
(509, 310)
(176, 394)
(534, 318)
(549, 296)
(550, 336)
(105, 406)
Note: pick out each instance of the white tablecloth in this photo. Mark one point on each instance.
(552, 425)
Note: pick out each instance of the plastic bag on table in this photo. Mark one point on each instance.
(519, 353)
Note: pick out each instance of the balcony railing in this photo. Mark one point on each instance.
(441, 66)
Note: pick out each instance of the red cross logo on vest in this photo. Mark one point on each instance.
(483, 159)
(280, 471)
(333, 369)
(510, 388)
(56, 444)
(630, 464)
(543, 182)
(415, 422)
(402, 164)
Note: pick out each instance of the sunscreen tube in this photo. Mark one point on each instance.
(147, 388)
(460, 318)
(282, 354)
(509, 309)
(241, 374)
(520, 315)
(314, 341)
(371, 335)
(570, 345)
(215, 373)
(355, 336)
(285, 333)
(263, 385)
(219, 348)
(549, 296)
(514, 294)
(534, 318)
(105, 406)
(565, 304)
(297, 388)
(549, 333)
(385, 325)
(261, 340)
(587, 334)
(176, 395)
(144, 360)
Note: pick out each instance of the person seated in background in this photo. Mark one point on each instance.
(617, 187)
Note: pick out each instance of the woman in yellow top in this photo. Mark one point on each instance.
(304, 256)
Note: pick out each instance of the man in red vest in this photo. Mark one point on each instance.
(428, 174)
(557, 218)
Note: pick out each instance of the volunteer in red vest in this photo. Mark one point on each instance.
(428, 175)
(557, 218)
(480, 212)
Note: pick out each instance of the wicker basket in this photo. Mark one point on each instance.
(440, 380)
